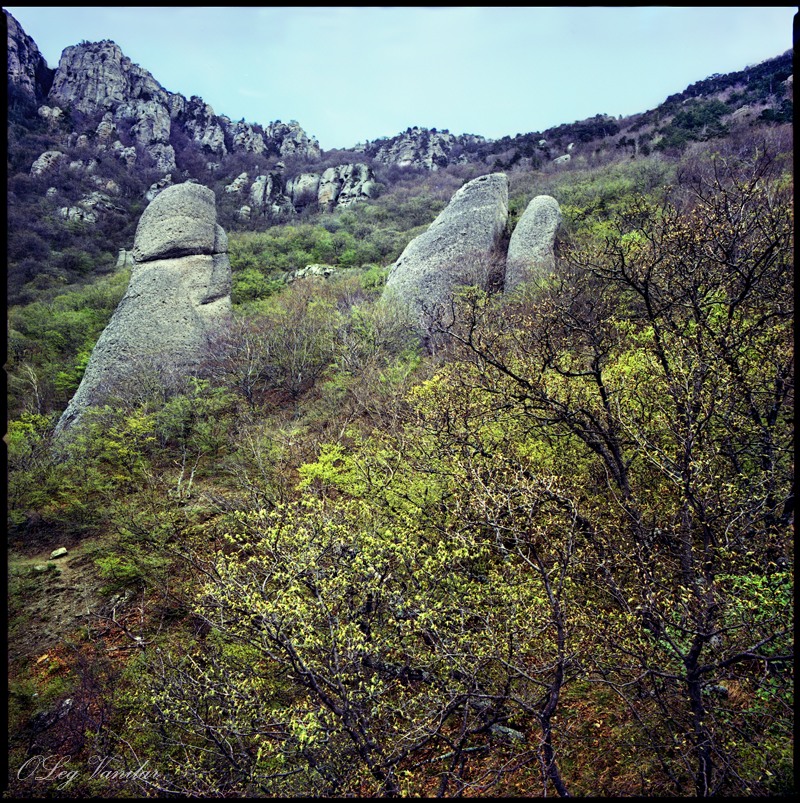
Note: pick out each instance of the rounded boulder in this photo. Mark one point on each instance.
(180, 220)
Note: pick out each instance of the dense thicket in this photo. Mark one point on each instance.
(550, 555)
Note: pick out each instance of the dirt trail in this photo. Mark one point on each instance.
(46, 606)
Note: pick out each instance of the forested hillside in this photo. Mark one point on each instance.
(545, 548)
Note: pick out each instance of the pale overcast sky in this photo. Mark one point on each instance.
(350, 74)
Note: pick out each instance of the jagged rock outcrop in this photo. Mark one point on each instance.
(155, 188)
(50, 114)
(344, 185)
(278, 139)
(459, 248)
(79, 213)
(83, 165)
(422, 148)
(96, 77)
(530, 249)
(179, 293)
(106, 130)
(317, 271)
(27, 69)
(243, 136)
(152, 124)
(238, 184)
(87, 208)
(273, 196)
(267, 196)
(127, 155)
(46, 162)
(303, 189)
(292, 140)
(204, 126)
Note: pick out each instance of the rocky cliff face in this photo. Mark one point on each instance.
(267, 196)
(99, 103)
(96, 76)
(179, 293)
(97, 80)
(461, 247)
(27, 69)
(291, 140)
(275, 197)
(422, 148)
(344, 185)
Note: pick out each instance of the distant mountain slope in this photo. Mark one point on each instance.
(93, 140)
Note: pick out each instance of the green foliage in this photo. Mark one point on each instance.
(350, 602)
(591, 200)
(130, 569)
(697, 120)
(50, 343)
(554, 556)
(782, 114)
(374, 278)
(250, 284)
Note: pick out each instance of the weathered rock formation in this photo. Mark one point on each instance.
(422, 148)
(200, 122)
(267, 196)
(344, 185)
(87, 209)
(98, 81)
(317, 271)
(530, 249)
(156, 187)
(291, 140)
(466, 245)
(27, 69)
(238, 184)
(46, 162)
(179, 293)
(303, 189)
(273, 196)
(459, 248)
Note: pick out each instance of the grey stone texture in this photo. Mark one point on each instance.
(27, 68)
(46, 162)
(180, 220)
(96, 76)
(459, 248)
(344, 185)
(530, 249)
(422, 148)
(179, 294)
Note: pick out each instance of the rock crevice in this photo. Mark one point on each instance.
(468, 244)
(459, 248)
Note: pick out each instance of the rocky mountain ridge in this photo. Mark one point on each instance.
(423, 148)
(96, 138)
(113, 101)
(107, 95)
